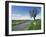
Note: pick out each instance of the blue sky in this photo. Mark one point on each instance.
(22, 12)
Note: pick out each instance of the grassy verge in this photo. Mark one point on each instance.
(16, 22)
(35, 25)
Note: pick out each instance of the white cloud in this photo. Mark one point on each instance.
(26, 18)
(38, 17)
(20, 17)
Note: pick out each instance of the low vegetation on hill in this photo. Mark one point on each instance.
(35, 25)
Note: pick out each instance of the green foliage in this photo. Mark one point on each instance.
(33, 13)
(16, 22)
(35, 25)
(32, 25)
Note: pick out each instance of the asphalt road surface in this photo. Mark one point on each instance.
(22, 26)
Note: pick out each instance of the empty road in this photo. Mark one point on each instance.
(22, 26)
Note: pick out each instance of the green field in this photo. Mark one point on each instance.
(17, 22)
(33, 25)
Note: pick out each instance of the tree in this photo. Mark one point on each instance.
(33, 13)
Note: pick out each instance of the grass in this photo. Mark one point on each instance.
(16, 22)
(35, 25)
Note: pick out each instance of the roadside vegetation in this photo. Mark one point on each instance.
(35, 25)
(17, 22)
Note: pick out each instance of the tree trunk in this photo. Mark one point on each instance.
(34, 18)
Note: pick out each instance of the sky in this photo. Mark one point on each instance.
(22, 12)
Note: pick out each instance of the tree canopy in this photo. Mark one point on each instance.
(33, 13)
